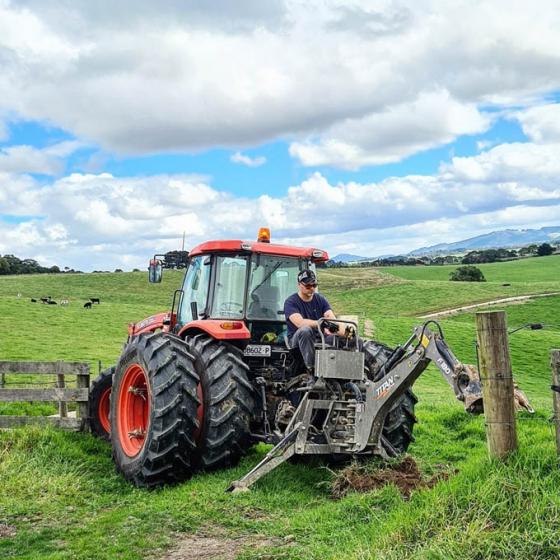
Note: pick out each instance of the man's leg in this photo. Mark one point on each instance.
(304, 339)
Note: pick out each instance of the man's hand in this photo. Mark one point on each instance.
(330, 326)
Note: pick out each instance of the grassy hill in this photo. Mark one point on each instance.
(61, 498)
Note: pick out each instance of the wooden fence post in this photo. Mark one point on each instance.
(62, 406)
(555, 364)
(82, 410)
(497, 382)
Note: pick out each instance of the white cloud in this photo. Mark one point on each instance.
(345, 81)
(28, 159)
(88, 221)
(238, 157)
(542, 123)
(432, 119)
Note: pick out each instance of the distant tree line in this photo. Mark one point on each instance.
(9, 264)
(472, 257)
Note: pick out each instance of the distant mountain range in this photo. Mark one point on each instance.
(345, 258)
(504, 238)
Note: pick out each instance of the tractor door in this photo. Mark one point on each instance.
(194, 299)
(271, 280)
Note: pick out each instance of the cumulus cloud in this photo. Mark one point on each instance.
(243, 159)
(434, 118)
(89, 220)
(330, 76)
(28, 159)
(542, 123)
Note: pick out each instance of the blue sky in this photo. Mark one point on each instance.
(343, 125)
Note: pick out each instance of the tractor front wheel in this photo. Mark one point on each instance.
(100, 404)
(226, 402)
(153, 410)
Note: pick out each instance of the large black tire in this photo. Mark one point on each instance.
(155, 397)
(400, 420)
(227, 402)
(99, 404)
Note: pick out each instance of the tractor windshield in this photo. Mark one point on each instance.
(271, 281)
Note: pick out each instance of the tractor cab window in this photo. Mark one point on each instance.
(272, 280)
(229, 288)
(195, 289)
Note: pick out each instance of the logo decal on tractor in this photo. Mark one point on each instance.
(444, 366)
(384, 388)
(146, 322)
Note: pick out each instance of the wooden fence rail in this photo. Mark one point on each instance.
(61, 393)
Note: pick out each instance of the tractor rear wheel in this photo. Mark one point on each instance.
(226, 402)
(153, 410)
(100, 404)
(400, 420)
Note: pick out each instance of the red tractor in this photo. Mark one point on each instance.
(195, 387)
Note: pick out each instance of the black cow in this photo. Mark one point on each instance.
(52, 302)
(95, 300)
(33, 300)
(87, 304)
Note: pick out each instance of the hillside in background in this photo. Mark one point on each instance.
(495, 239)
(60, 496)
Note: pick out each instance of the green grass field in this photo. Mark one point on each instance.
(61, 498)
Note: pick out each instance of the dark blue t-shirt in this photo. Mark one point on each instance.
(314, 309)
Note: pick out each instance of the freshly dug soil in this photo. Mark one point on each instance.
(405, 475)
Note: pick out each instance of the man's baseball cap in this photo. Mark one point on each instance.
(307, 277)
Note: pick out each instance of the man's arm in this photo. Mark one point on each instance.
(299, 321)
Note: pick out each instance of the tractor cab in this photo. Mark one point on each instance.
(235, 290)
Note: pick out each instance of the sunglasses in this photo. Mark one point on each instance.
(310, 285)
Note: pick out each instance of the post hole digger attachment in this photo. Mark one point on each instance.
(343, 412)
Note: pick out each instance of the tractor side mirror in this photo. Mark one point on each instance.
(155, 271)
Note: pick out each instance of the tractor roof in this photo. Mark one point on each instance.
(236, 246)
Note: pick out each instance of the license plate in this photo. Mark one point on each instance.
(257, 350)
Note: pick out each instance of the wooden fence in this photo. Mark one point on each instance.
(59, 393)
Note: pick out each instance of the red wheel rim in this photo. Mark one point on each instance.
(103, 410)
(199, 412)
(133, 410)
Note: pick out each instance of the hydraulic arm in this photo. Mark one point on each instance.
(343, 412)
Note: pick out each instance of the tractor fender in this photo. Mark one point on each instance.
(160, 321)
(219, 329)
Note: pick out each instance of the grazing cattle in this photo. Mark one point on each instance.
(64, 301)
(95, 300)
(52, 302)
(45, 299)
(87, 304)
(33, 300)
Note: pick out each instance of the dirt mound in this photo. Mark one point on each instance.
(405, 475)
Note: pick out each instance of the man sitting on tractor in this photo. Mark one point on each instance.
(303, 311)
